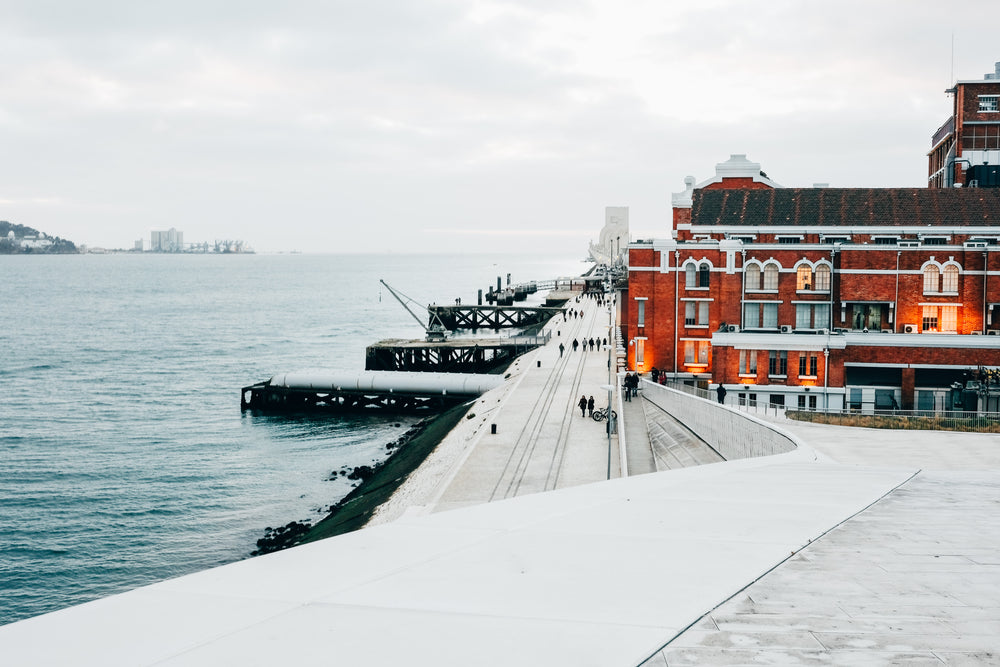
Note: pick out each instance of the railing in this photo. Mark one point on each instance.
(532, 341)
(922, 420)
(731, 433)
(756, 407)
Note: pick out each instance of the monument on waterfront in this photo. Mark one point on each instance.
(610, 247)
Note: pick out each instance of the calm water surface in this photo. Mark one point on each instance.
(124, 458)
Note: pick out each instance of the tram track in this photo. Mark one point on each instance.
(523, 453)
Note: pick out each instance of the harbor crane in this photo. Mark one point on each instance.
(435, 331)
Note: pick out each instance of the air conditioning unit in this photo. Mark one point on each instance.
(909, 328)
(976, 333)
(786, 328)
(733, 328)
(822, 331)
(886, 330)
(865, 330)
(993, 332)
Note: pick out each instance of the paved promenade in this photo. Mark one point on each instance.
(541, 441)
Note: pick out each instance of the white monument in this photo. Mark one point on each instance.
(610, 247)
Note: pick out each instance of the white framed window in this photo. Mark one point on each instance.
(696, 352)
(989, 103)
(812, 315)
(949, 319)
(748, 362)
(640, 351)
(930, 318)
(821, 276)
(753, 277)
(771, 276)
(757, 315)
(640, 313)
(704, 274)
(690, 275)
(932, 279)
(949, 279)
(943, 319)
(808, 364)
(777, 363)
(803, 278)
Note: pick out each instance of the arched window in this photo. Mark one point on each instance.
(931, 279)
(950, 279)
(704, 272)
(753, 277)
(803, 277)
(771, 277)
(690, 275)
(822, 277)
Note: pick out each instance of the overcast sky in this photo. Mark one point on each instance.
(454, 125)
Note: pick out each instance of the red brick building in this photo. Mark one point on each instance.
(965, 150)
(819, 297)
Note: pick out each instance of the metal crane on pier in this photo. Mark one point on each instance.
(435, 331)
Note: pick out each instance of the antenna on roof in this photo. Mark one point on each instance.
(952, 79)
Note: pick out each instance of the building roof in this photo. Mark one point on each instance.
(848, 207)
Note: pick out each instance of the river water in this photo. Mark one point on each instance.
(124, 457)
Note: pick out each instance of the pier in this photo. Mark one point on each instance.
(339, 392)
(469, 355)
(491, 317)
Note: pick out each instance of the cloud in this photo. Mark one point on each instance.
(363, 126)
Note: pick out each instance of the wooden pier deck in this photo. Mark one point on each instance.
(491, 317)
(465, 355)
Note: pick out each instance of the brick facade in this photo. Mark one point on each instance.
(806, 293)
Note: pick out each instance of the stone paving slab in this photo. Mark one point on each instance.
(897, 584)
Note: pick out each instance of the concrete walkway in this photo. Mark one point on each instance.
(638, 450)
(672, 444)
(541, 440)
(914, 579)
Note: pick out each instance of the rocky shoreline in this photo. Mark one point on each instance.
(377, 484)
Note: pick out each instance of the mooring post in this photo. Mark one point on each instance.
(480, 298)
(499, 284)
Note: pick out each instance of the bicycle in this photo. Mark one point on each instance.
(601, 414)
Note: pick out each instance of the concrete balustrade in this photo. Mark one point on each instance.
(733, 434)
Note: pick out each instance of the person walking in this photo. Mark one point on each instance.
(721, 392)
(627, 386)
(576, 344)
(561, 348)
(583, 406)
(590, 406)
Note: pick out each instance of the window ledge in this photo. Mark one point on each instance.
(762, 291)
(778, 377)
(695, 326)
(808, 377)
(697, 289)
(748, 375)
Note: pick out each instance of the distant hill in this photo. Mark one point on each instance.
(18, 239)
